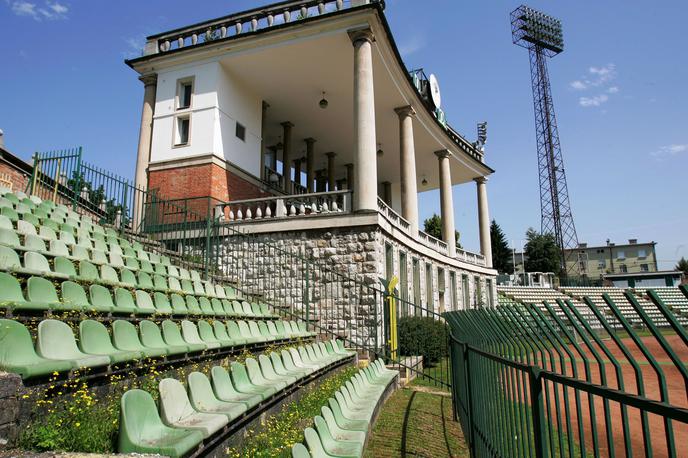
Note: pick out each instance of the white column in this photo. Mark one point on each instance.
(310, 163)
(150, 84)
(330, 171)
(407, 161)
(365, 158)
(286, 156)
(446, 202)
(484, 221)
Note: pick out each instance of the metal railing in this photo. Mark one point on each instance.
(310, 204)
(534, 382)
(245, 22)
(393, 217)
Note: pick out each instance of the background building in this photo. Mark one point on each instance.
(595, 262)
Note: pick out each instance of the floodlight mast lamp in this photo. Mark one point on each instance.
(542, 36)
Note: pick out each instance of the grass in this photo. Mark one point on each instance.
(439, 371)
(416, 422)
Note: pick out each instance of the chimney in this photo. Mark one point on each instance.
(632, 241)
(582, 245)
(2, 139)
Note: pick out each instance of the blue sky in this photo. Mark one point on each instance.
(619, 90)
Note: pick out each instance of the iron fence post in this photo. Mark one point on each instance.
(77, 179)
(469, 417)
(538, 412)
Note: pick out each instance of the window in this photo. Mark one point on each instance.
(620, 255)
(644, 268)
(389, 261)
(416, 286)
(181, 135)
(240, 132)
(440, 288)
(184, 93)
(452, 286)
(478, 293)
(465, 291)
(403, 276)
(601, 264)
(642, 253)
(428, 286)
(623, 268)
(490, 297)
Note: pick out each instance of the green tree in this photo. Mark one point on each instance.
(682, 265)
(501, 253)
(433, 226)
(542, 252)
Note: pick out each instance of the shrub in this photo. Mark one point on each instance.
(424, 336)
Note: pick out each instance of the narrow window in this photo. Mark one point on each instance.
(184, 94)
(240, 132)
(182, 131)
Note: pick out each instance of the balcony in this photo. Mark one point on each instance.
(309, 206)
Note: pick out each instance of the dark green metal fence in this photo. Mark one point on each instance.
(320, 291)
(542, 380)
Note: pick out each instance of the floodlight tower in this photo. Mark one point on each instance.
(542, 36)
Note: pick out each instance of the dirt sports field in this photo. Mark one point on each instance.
(676, 388)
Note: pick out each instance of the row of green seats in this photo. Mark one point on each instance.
(84, 249)
(63, 269)
(41, 295)
(343, 427)
(187, 417)
(57, 350)
(54, 219)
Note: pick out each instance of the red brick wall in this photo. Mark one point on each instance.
(18, 179)
(202, 181)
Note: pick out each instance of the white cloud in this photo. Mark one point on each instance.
(595, 101)
(134, 46)
(670, 150)
(579, 85)
(613, 90)
(416, 43)
(50, 10)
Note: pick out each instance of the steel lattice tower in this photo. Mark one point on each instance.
(542, 36)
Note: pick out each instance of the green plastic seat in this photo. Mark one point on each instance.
(10, 238)
(178, 305)
(34, 243)
(17, 353)
(173, 271)
(234, 333)
(108, 275)
(265, 331)
(142, 431)
(339, 432)
(298, 450)
(333, 445)
(145, 281)
(126, 337)
(298, 360)
(74, 296)
(314, 443)
(88, 272)
(56, 341)
(217, 306)
(160, 270)
(198, 288)
(127, 278)
(124, 302)
(220, 331)
(345, 421)
(160, 283)
(209, 289)
(190, 334)
(207, 334)
(115, 260)
(173, 337)
(174, 285)
(152, 337)
(9, 259)
(145, 266)
(10, 213)
(220, 292)
(98, 257)
(64, 267)
(176, 410)
(280, 368)
(243, 384)
(192, 306)
(184, 274)
(247, 334)
(37, 264)
(256, 310)
(12, 297)
(5, 223)
(206, 306)
(162, 303)
(58, 248)
(94, 339)
(42, 291)
(227, 307)
(144, 303)
(25, 228)
(47, 233)
(195, 276)
(255, 374)
(131, 264)
(224, 389)
(203, 398)
(269, 372)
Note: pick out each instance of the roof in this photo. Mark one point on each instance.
(616, 245)
(658, 273)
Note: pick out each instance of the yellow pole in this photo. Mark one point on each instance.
(57, 179)
(36, 171)
(393, 343)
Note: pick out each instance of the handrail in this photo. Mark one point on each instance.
(393, 216)
(285, 206)
(234, 24)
